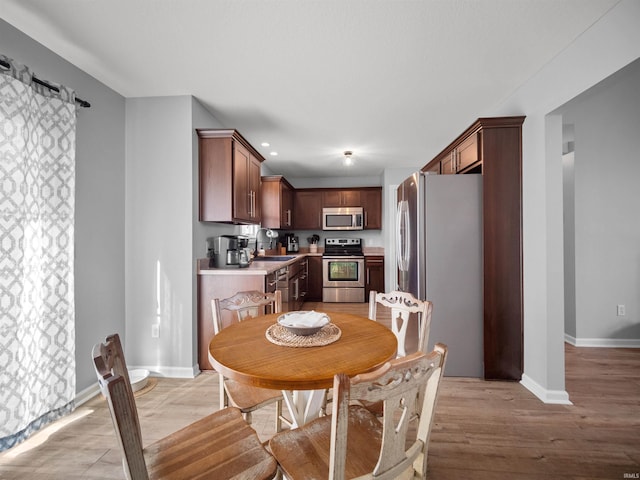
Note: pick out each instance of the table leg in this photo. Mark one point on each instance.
(303, 405)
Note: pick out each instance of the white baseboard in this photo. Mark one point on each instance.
(87, 394)
(558, 397)
(602, 342)
(168, 372)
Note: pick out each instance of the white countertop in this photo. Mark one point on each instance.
(257, 267)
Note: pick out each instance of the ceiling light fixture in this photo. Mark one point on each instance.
(347, 158)
(273, 154)
(265, 144)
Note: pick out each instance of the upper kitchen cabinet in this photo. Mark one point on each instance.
(277, 202)
(371, 202)
(307, 209)
(496, 145)
(309, 202)
(229, 178)
(433, 168)
(464, 156)
(341, 198)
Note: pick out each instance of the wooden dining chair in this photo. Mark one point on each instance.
(221, 445)
(402, 305)
(245, 305)
(353, 442)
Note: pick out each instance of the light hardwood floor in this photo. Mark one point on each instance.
(483, 430)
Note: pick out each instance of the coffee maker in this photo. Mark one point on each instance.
(229, 251)
(291, 241)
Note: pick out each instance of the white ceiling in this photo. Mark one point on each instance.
(393, 81)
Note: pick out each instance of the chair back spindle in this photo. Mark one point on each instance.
(402, 306)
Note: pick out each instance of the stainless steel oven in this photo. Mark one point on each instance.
(343, 279)
(343, 270)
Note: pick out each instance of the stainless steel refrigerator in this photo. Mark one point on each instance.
(439, 257)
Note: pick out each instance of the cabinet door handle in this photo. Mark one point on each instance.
(366, 219)
(288, 218)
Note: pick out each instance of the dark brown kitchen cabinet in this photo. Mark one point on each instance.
(307, 209)
(374, 274)
(314, 285)
(294, 291)
(303, 282)
(246, 193)
(229, 178)
(371, 202)
(277, 202)
(309, 202)
(341, 198)
(464, 157)
(434, 168)
(496, 145)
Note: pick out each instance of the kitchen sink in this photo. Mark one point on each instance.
(274, 258)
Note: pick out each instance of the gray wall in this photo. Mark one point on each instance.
(606, 122)
(609, 45)
(163, 235)
(99, 225)
(158, 235)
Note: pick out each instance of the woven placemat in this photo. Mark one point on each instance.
(281, 336)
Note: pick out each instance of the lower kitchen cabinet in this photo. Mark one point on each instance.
(303, 282)
(292, 282)
(374, 275)
(314, 285)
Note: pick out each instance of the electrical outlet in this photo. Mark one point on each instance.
(155, 330)
(622, 311)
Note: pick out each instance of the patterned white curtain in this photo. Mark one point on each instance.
(37, 192)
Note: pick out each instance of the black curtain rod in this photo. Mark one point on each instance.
(82, 103)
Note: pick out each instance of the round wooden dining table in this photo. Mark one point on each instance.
(243, 353)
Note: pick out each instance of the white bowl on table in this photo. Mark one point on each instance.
(303, 323)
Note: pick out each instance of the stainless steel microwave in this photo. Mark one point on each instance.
(342, 218)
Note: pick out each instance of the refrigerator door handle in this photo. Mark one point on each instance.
(399, 235)
(402, 227)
